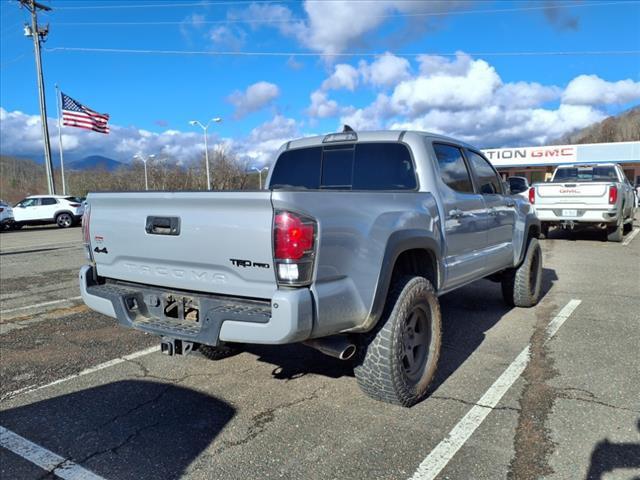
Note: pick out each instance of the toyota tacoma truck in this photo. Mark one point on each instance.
(347, 249)
(595, 195)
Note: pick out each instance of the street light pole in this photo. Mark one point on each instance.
(260, 170)
(206, 145)
(144, 160)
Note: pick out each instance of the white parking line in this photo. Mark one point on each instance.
(102, 366)
(457, 437)
(38, 305)
(631, 236)
(44, 458)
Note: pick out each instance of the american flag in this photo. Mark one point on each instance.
(74, 114)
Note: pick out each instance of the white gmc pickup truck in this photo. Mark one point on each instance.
(595, 195)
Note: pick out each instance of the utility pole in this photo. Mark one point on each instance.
(39, 35)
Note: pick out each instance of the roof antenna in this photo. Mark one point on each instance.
(347, 128)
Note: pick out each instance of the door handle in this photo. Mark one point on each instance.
(456, 213)
(510, 203)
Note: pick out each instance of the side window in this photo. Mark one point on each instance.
(488, 180)
(29, 202)
(383, 166)
(48, 201)
(298, 168)
(453, 170)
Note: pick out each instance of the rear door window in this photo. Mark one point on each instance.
(488, 180)
(453, 169)
(48, 201)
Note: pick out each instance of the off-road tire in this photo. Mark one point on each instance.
(64, 220)
(220, 352)
(615, 234)
(521, 287)
(17, 226)
(628, 226)
(382, 368)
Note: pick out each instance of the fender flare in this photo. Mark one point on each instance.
(399, 242)
(531, 221)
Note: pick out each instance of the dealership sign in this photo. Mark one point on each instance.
(553, 155)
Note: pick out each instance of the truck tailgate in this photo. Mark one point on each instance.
(216, 242)
(572, 193)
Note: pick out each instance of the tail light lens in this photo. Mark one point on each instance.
(532, 195)
(613, 194)
(86, 234)
(75, 205)
(294, 241)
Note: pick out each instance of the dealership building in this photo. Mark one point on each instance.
(538, 163)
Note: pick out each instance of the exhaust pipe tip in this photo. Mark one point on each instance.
(337, 347)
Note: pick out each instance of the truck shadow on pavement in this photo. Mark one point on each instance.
(131, 429)
(608, 456)
(466, 315)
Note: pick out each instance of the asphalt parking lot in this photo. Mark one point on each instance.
(548, 392)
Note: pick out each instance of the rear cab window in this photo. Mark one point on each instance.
(606, 173)
(360, 166)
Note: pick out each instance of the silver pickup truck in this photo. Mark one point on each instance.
(347, 249)
(594, 195)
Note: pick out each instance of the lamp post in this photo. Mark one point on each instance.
(144, 160)
(206, 145)
(260, 170)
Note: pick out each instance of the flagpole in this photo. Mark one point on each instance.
(64, 185)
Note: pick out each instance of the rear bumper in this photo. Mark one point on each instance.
(582, 215)
(286, 318)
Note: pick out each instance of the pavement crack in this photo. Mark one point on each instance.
(566, 395)
(532, 443)
(473, 404)
(260, 421)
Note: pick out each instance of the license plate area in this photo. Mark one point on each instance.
(569, 213)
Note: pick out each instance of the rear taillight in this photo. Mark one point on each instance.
(613, 194)
(294, 240)
(75, 205)
(532, 195)
(86, 234)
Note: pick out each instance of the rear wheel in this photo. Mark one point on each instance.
(219, 352)
(17, 225)
(521, 287)
(615, 234)
(64, 220)
(399, 357)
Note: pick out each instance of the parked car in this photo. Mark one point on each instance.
(6, 215)
(578, 196)
(347, 249)
(64, 211)
(519, 186)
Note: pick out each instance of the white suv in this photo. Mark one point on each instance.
(62, 210)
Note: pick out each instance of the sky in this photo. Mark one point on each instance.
(492, 73)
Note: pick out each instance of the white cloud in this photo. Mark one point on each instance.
(334, 27)
(343, 76)
(593, 90)
(524, 94)
(386, 70)
(21, 135)
(442, 89)
(225, 37)
(265, 140)
(321, 106)
(254, 98)
(372, 117)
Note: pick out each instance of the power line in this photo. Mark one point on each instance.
(392, 15)
(167, 5)
(343, 54)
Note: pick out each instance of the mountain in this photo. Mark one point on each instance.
(624, 127)
(94, 161)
